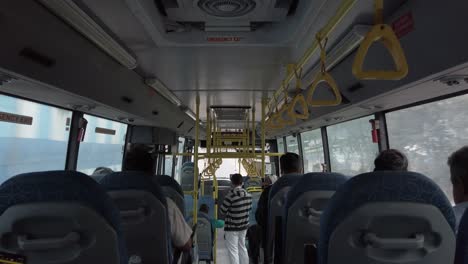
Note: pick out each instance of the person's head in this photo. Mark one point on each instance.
(236, 180)
(391, 160)
(139, 159)
(269, 180)
(102, 171)
(458, 163)
(204, 208)
(290, 163)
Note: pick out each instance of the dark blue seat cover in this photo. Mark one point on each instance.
(136, 180)
(287, 180)
(165, 180)
(461, 254)
(385, 186)
(62, 186)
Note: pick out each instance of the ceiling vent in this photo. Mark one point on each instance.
(227, 8)
(223, 15)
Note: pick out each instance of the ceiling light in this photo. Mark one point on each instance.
(159, 87)
(78, 19)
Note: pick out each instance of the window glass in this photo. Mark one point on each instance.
(280, 142)
(312, 149)
(36, 142)
(179, 159)
(428, 134)
(292, 145)
(168, 165)
(103, 145)
(351, 148)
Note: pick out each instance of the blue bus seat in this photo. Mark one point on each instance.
(204, 236)
(304, 206)
(461, 254)
(172, 190)
(186, 176)
(143, 211)
(388, 217)
(61, 217)
(277, 199)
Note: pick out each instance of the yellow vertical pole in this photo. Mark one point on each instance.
(215, 197)
(264, 102)
(253, 131)
(195, 176)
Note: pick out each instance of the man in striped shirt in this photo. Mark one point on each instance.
(236, 207)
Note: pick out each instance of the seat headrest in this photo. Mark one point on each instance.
(375, 187)
(61, 186)
(315, 181)
(287, 180)
(461, 254)
(133, 180)
(168, 181)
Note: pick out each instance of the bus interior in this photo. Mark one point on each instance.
(212, 88)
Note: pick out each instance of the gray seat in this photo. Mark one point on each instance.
(304, 205)
(173, 190)
(143, 213)
(204, 237)
(61, 217)
(388, 217)
(277, 199)
(186, 177)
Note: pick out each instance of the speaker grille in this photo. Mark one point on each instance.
(227, 8)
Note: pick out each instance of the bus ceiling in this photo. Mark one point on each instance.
(148, 60)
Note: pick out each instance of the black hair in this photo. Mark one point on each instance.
(458, 163)
(290, 163)
(204, 208)
(391, 160)
(236, 179)
(139, 158)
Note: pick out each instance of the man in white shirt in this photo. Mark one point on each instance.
(458, 163)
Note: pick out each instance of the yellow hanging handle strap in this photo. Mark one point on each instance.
(323, 76)
(299, 101)
(381, 32)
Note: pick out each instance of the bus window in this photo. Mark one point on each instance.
(103, 145)
(292, 145)
(168, 165)
(280, 142)
(179, 159)
(312, 149)
(428, 134)
(351, 148)
(33, 137)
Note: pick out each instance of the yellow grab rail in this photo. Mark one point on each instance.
(323, 76)
(345, 7)
(381, 32)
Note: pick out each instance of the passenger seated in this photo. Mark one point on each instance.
(391, 160)
(139, 159)
(458, 163)
(100, 172)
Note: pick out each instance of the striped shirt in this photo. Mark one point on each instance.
(236, 207)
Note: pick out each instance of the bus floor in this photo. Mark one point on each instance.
(222, 256)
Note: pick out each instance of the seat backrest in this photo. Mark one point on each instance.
(188, 202)
(173, 190)
(143, 213)
(304, 206)
(461, 254)
(204, 237)
(388, 217)
(277, 199)
(186, 178)
(255, 198)
(61, 217)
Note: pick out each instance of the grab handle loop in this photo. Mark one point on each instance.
(304, 108)
(284, 112)
(381, 32)
(323, 76)
(374, 241)
(27, 244)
